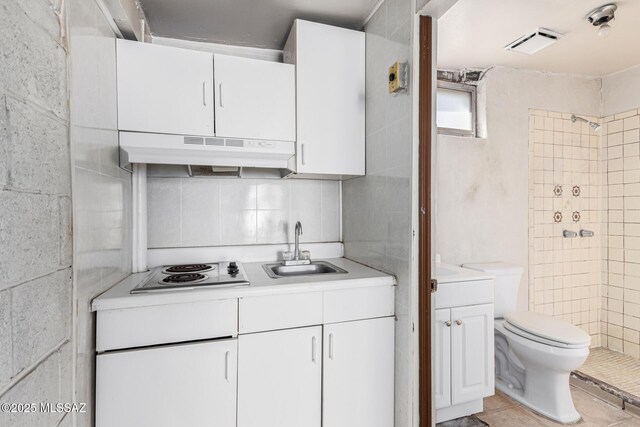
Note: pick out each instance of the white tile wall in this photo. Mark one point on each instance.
(101, 190)
(377, 207)
(620, 315)
(565, 273)
(206, 211)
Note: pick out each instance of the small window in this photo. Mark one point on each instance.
(456, 109)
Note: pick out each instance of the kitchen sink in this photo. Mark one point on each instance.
(315, 268)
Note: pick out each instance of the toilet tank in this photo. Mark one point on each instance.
(506, 284)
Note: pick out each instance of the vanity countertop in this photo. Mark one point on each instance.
(448, 273)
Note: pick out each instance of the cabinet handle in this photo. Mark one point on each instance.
(302, 154)
(313, 349)
(458, 322)
(448, 323)
(226, 366)
(331, 346)
(204, 93)
(220, 96)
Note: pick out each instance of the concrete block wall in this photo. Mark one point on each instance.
(35, 212)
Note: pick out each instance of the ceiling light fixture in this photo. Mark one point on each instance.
(601, 17)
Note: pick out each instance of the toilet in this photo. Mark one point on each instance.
(534, 353)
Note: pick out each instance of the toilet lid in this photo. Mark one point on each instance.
(548, 328)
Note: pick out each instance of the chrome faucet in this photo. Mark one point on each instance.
(297, 258)
(298, 232)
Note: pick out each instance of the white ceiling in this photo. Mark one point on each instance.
(473, 33)
(256, 23)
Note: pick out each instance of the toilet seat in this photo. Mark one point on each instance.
(546, 330)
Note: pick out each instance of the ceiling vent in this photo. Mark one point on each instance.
(534, 42)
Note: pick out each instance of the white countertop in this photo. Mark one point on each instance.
(357, 275)
(447, 273)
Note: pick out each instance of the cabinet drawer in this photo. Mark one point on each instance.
(273, 312)
(144, 326)
(457, 294)
(360, 303)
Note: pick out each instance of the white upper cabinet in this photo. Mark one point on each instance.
(254, 99)
(164, 89)
(330, 97)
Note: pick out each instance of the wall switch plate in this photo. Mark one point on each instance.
(398, 77)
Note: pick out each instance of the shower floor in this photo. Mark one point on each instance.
(617, 370)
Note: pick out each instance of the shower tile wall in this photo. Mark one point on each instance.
(565, 274)
(621, 294)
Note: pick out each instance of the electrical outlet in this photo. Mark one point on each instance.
(398, 77)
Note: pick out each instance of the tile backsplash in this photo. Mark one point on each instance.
(208, 211)
(565, 194)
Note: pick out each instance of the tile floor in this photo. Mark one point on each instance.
(501, 411)
(613, 368)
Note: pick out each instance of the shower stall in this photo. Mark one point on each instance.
(584, 237)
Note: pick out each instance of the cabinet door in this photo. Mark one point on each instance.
(254, 99)
(472, 364)
(279, 378)
(358, 377)
(442, 358)
(177, 385)
(330, 93)
(164, 89)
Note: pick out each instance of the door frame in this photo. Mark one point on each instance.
(425, 134)
(425, 124)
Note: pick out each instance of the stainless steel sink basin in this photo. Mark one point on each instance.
(315, 268)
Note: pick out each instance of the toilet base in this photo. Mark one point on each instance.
(517, 395)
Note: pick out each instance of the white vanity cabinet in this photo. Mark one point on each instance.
(472, 362)
(464, 347)
(254, 99)
(330, 98)
(164, 89)
(442, 359)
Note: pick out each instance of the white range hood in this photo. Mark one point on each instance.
(154, 148)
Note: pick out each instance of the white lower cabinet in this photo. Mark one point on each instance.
(464, 360)
(358, 380)
(279, 378)
(305, 359)
(175, 385)
(336, 375)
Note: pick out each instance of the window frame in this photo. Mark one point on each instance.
(461, 87)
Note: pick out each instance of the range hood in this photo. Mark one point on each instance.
(154, 148)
